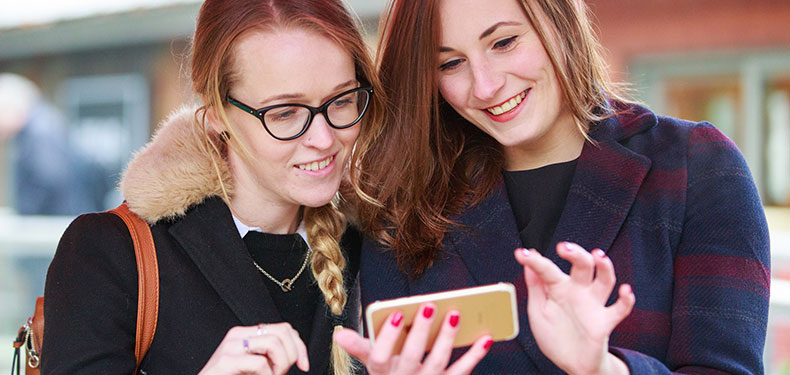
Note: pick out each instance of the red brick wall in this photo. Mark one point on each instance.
(630, 28)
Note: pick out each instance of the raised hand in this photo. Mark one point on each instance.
(265, 349)
(568, 313)
(379, 358)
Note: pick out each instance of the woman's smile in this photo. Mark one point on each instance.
(508, 109)
(318, 168)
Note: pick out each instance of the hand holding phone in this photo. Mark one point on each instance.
(484, 310)
(379, 358)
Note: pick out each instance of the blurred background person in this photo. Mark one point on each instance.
(48, 177)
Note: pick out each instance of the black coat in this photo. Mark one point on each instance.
(208, 284)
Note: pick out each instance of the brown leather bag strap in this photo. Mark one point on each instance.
(147, 276)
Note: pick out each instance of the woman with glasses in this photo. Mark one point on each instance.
(508, 137)
(241, 194)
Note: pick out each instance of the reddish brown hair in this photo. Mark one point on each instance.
(428, 163)
(220, 25)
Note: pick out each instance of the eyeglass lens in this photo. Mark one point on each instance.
(343, 111)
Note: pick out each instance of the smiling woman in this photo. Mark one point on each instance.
(503, 81)
(512, 153)
(278, 169)
(239, 201)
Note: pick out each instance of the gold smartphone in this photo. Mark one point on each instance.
(488, 309)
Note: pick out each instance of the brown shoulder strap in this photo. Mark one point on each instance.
(148, 279)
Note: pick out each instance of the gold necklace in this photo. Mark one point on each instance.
(287, 284)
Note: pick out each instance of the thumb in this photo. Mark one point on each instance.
(353, 343)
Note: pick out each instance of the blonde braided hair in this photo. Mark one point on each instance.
(325, 226)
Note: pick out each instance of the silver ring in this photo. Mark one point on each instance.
(261, 329)
(246, 346)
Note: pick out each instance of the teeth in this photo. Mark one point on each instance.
(317, 165)
(508, 105)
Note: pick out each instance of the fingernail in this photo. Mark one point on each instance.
(488, 344)
(628, 288)
(427, 312)
(599, 253)
(569, 247)
(454, 320)
(525, 252)
(396, 319)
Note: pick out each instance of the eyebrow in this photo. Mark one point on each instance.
(493, 28)
(299, 95)
(485, 33)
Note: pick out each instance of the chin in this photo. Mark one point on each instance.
(318, 198)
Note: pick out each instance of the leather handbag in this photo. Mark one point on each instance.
(30, 336)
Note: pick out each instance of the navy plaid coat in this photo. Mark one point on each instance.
(674, 206)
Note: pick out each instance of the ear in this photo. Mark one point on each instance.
(213, 120)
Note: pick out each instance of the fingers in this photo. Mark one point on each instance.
(625, 303)
(302, 361)
(379, 358)
(270, 347)
(247, 364)
(604, 275)
(443, 346)
(472, 357)
(536, 290)
(293, 348)
(278, 342)
(353, 343)
(544, 268)
(287, 336)
(417, 338)
(235, 355)
(582, 264)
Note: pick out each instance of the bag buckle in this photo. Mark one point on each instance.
(33, 356)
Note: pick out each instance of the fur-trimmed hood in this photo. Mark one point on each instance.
(173, 171)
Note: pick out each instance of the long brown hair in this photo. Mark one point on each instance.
(221, 23)
(428, 163)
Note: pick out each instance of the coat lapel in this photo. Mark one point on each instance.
(607, 178)
(486, 245)
(209, 237)
(486, 239)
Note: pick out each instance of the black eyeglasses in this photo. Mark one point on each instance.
(290, 121)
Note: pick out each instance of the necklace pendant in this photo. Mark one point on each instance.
(286, 285)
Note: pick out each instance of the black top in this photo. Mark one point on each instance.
(282, 255)
(538, 197)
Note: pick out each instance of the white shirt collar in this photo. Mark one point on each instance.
(244, 228)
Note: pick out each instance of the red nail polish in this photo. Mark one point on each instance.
(525, 252)
(454, 320)
(396, 319)
(427, 312)
(488, 344)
